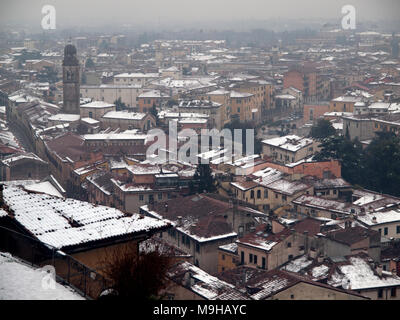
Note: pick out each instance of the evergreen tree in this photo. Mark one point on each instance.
(119, 105)
(89, 63)
(322, 129)
(204, 176)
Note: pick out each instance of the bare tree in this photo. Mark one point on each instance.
(137, 275)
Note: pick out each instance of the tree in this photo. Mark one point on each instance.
(376, 168)
(89, 63)
(322, 129)
(154, 112)
(349, 153)
(119, 105)
(204, 175)
(138, 276)
(382, 163)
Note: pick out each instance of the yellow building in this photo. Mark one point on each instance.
(343, 104)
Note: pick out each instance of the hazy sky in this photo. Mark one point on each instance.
(101, 12)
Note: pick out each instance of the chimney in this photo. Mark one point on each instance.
(179, 221)
(379, 270)
(1, 194)
(374, 220)
(320, 258)
(186, 279)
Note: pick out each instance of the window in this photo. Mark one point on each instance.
(284, 197)
(289, 244)
(393, 292)
(276, 196)
(188, 242)
(258, 194)
(252, 194)
(292, 296)
(265, 193)
(250, 257)
(290, 257)
(255, 259)
(197, 247)
(397, 229)
(385, 231)
(241, 257)
(380, 231)
(141, 197)
(263, 262)
(223, 257)
(380, 293)
(160, 196)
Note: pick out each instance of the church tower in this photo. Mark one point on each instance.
(70, 80)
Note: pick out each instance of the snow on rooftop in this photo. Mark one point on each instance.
(115, 136)
(44, 187)
(381, 217)
(64, 117)
(298, 264)
(290, 142)
(49, 218)
(359, 275)
(19, 281)
(320, 271)
(288, 187)
(97, 104)
(205, 285)
(231, 247)
(124, 115)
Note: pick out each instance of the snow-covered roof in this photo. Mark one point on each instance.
(65, 117)
(358, 275)
(90, 120)
(98, 104)
(15, 158)
(235, 94)
(124, 115)
(63, 222)
(298, 264)
(380, 217)
(201, 282)
(115, 136)
(44, 187)
(22, 282)
(291, 142)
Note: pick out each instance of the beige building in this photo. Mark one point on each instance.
(111, 92)
(125, 120)
(289, 149)
(141, 79)
(96, 109)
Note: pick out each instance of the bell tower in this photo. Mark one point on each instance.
(70, 80)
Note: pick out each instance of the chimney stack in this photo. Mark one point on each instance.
(374, 220)
(1, 194)
(179, 221)
(379, 269)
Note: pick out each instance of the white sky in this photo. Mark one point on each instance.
(100, 12)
